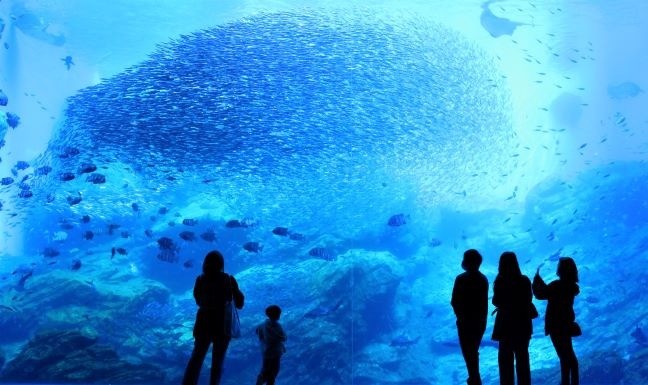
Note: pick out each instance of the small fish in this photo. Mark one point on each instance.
(435, 242)
(121, 251)
(7, 181)
(125, 234)
(68, 62)
(551, 236)
(208, 236)
(3, 97)
(189, 222)
(135, 207)
(281, 231)
(321, 252)
(397, 220)
(66, 176)
(87, 168)
(583, 146)
(44, 170)
(25, 194)
(96, 178)
(13, 120)
(233, 223)
(148, 233)
(166, 243)
(253, 247)
(189, 236)
(21, 165)
(76, 264)
(163, 210)
(85, 219)
(87, 235)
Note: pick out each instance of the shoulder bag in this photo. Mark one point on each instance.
(232, 322)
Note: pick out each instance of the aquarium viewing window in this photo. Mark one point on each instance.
(342, 156)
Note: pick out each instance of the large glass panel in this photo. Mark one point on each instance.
(342, 155)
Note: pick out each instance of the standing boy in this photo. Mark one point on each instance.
(272, 338)
(470, 305)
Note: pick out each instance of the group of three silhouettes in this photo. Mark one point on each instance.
(512, 296)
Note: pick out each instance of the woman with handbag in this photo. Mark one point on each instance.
(512, 298)
(560, 321)
(213, 291)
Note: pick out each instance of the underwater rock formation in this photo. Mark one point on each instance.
(73, 357)
(348, 299)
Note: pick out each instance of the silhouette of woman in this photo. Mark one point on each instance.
(512, 296)
(211, 290)
(470, 305)
(560, 318)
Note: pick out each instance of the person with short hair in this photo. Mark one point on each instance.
(470, 305)
(271, 339)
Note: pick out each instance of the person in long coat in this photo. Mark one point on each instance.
(512, 298)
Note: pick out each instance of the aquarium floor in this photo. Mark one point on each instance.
(58, 383)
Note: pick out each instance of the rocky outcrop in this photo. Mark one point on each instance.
(75, 357)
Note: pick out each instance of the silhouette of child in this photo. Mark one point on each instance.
(271, 338)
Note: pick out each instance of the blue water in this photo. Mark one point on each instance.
(386, 137)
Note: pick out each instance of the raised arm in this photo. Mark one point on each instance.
(540, 290)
